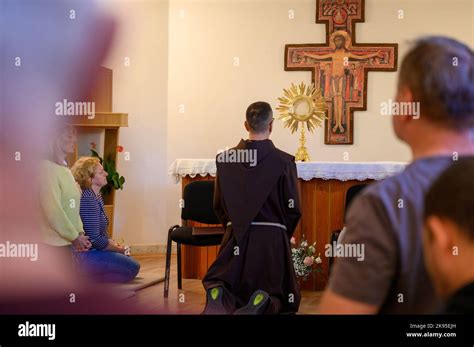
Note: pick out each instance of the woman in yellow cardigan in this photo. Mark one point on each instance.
(60, 197)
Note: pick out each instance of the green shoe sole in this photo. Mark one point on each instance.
(214, 301)
(257, 304)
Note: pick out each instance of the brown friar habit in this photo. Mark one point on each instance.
(256, 257)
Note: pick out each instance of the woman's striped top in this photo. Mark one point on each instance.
(94, 218)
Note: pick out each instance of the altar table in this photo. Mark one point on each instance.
(323, 186)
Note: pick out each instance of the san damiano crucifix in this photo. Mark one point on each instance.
(339, 67)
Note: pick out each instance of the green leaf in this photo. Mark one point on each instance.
(96, 155)
(121, 181)
(116, 184)
(107, 167)
(106, 190)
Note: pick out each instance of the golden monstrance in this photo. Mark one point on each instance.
(302, 104)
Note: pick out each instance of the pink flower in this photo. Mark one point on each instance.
(93, 145)
(293, 241)
(120, 149)
(308, 261)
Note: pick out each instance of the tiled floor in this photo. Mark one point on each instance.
(191, 299)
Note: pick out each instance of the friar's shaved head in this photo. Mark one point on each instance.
(258, 116)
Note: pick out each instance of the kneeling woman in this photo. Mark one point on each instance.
(106, 261)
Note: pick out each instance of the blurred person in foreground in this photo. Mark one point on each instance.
(387, 217)
(449, 236)
(44, 67)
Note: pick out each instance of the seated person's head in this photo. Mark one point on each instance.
(449, 228)
(437, 74)
(89, 173)
(61, 143)
(259, 119)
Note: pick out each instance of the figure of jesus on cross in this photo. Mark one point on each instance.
(343, 80)
(340, 62)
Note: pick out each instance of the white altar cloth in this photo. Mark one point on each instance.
(342, 171)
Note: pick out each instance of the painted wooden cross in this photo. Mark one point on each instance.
(339, 67)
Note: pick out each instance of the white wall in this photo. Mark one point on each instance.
(182, 53)
(141, 91)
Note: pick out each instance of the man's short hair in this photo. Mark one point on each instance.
(439, 71)
(259, 115)
(451, 196)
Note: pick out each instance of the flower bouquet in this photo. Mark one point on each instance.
(304, 260)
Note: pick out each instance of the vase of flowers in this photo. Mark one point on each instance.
(304, 258)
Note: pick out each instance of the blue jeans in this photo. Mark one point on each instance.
(106, 266)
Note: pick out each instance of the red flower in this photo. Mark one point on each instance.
(93, 145)
(120, 149)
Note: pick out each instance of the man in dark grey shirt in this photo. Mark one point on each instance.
(387, 218)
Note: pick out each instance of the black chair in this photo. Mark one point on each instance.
(352, 192)
(198, 199)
